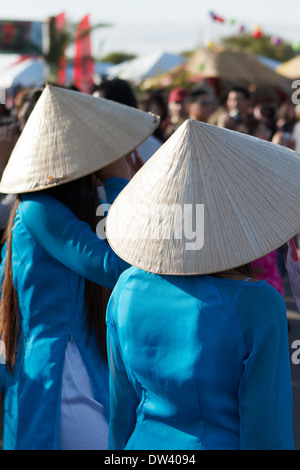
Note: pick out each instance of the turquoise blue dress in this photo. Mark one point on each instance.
(52, 254)
(198, 362)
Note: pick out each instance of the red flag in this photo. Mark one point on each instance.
(60, 23)
(83, 62)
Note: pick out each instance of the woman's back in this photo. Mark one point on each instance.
(187, 345)
(53, 252)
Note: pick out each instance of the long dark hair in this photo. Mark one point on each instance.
(82, 198)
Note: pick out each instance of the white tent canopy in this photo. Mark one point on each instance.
(8, 60)
(27, 71)
(139, 69)
(21, 70)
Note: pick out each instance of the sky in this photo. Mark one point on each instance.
(144, 27)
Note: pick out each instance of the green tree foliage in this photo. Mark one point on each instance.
(260, 46)
(60, 40)
(118, 57)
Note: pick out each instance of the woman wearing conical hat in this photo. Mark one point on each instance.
(57, 272)
(198, 349)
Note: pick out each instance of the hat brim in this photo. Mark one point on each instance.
(248, 188)
(69, 135)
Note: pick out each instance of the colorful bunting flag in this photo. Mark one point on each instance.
(60, 24)
(257, 32)
(83, 61)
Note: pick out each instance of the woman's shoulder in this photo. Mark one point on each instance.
(253, 298)
(261, 289)
(42, 213)
(38, 204)
(260, 306)
(132, 274)
(38, 198)
(136, 279)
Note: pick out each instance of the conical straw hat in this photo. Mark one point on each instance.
(210, 199)
(70, 134)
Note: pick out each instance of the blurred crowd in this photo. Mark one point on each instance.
(238, 110)
(277, 122)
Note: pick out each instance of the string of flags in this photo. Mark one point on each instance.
(231, 21)
(256, 32)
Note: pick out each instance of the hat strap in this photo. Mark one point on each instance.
(294, 249)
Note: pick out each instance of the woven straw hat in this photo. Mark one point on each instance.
(210, 199)
(70, 134)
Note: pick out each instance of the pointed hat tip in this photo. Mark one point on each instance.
(186, 124)
(48, 88)
(191, 122)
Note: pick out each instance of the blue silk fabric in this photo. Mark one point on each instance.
(198, 362)
(53, 253)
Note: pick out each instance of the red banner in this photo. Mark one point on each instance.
(60, 23)
(83, 61)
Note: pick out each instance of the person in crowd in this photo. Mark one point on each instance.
(199, 105)
(120, 90)
(259, 128)
(238, 115)
(267, 269)
(58, 270)
(177, 112)
(270, 267)
(8, 137)
(286, 117)
(296, 129)
(29, 102)
(286, 139)
(9, 134)
(4, 112)
(154, 101)
(116, 89)
(266, 113)
(198, 348)
(285, 123)
(19, 98)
